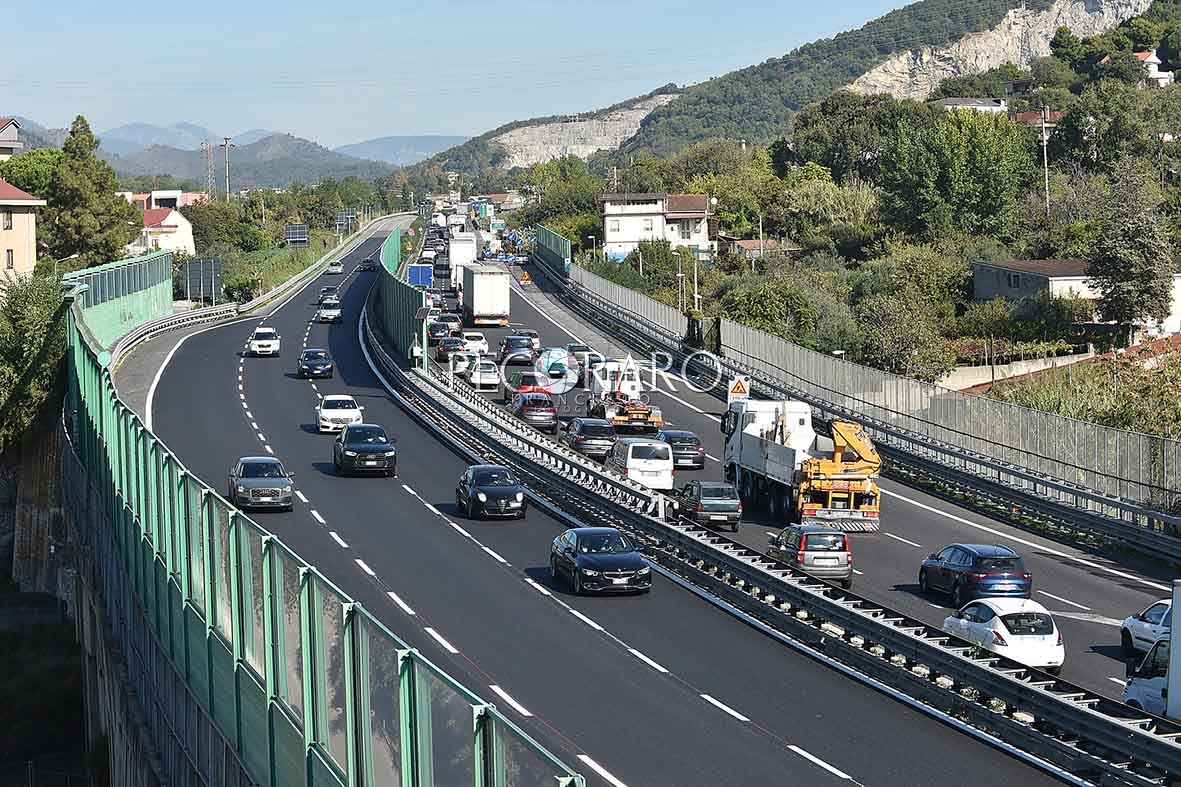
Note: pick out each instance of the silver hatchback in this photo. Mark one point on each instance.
(821, 551)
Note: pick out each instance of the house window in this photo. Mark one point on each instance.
(7, 220)
(9, 261)
(613, 226)
(648, 225)
(1014, 281)
(686, 229)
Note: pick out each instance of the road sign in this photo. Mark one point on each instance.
(202, 279)
(526, 278)
(296, 235)
(739, 390)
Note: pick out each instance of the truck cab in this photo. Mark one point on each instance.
(1148, 681)
(617, 396)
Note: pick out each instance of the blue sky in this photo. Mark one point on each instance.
(341, 72)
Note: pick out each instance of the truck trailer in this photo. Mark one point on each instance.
(774, 456)
(485, 294)
(421, 275)
(462, 250)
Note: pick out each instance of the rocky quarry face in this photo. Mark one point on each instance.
(1020, 37)
(536, 144)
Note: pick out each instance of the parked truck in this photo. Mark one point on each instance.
(617, 396)
(421, 275)
(775, 456)
(485, 294)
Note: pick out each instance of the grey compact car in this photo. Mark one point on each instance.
(821, 551)
(259, 482)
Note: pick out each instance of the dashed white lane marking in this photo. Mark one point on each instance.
(405, 607)
(437, 637)
(1090, 617)
(249, 414)
(411, 491)
(724, 707)
(599, 769)
(239, 386)
(903, 540)
(244, 406)
(242, 397)
(365, 567)
(586, 620)
(317, 517)
(239, 378)
(495, 556)
(1033, 544)
(338, 539)
(301, 496)
(1120, 681)
(269, 449)
(690, 405)
(812, 758)
(1065, 601)
(260, 436)
(460, 530)
(254, 426)
(646, 660)
(432, 509)
(518, 707)
(314, 388)
(934, 606)
(539, 588)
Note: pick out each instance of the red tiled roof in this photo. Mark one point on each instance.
(6, 122)
(1141, 56)
(13, 194)
(686, 203)
(770, 244)
(155, 216)
(1035, 118)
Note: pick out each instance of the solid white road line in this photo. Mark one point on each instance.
(646, 660)
(338, 539)
(495, 556)
(812, 758)
(365, 568)
(599, 769)
(1043, 547)
(405, 607)
(518, 707)
(1120, 681)
(317, 517)
(437, 637)
(724, 707)
(1065, 601)
(903, 540)
(546, 317)
(539, 588)
(712, 458)
(411, 491)
(586, 620)
(301, 496)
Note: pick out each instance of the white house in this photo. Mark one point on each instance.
(164, 228)
(1152, 73)
(681, 219)
(10, 143)
(993, 106)
(1018, 279)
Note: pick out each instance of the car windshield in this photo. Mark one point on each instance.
(598, 430)
(486, 366)
(681, 437)
(338, 404)
(498, 477)
(604, 544)
(264, 333)
(451, 342)
(517, 341)
(262, 470)
(1032, 624)
(437, 327)
(315, 355)
(369, 435)
(824, 542)
(578, 348)
(657, 452)
(719, 493)
(1000, 564)
(537, 401)
(527, 378)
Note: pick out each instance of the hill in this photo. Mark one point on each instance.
(253, 135)
(136, 136)
(35, 135)
(275, 161)
(400, 151)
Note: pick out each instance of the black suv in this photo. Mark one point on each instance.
(592, 437)
(364, 448)
(367, 264)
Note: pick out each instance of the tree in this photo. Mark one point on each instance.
(1132, 265)
(900, 336)
(1107, 124)
(847, 132)
(1068, 48)
(1120, 67)
(86, 216)
(32, 341)
(33, 172)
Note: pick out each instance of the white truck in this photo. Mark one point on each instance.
(456, 222)
(439, 220)
(462, 250)
(773, 455)
(485, 295)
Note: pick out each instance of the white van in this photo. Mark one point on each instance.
(648, 462)
(1148, 680)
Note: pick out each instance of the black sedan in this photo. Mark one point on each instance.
(687, 448)
(436, 332)
(314, 363)
(367, 264)
(599, 560)
(447, 347)
(490, 490)
(364, 448)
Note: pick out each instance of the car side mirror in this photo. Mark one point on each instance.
(932, 556)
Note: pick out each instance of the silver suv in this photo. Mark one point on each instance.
(821, 551)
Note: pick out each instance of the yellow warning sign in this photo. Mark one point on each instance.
(526, 278)
(739, 390)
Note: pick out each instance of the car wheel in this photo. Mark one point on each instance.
(553, 568)
(1127, 649)
(734, 528)
(470, 512)
(924, 586)
(576, 582)
(1055, 671)
(847, 584)
(957, 595)
(289, 508)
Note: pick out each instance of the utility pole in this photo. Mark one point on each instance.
(762, 249)
(696, 295)
(227, 146)
(210, 180)
(1046, 158)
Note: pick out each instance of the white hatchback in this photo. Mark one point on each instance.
(475, 342)
(336, 266)
(483, 374)
(1140, 632)
(1017, 628)
(337, 411)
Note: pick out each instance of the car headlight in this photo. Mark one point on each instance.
(391, 453)
(589, 573)
(241, 489)
(643, 571)
(483, 498)
(357, 419)
(350, 453)
(520, 496)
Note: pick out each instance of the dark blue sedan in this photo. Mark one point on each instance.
(971, 571)
(599, 560)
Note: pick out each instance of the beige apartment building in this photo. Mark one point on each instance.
(18, 231)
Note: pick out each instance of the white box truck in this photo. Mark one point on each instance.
(485, 294)
(439, 220)
(456, 222)
(462, 250)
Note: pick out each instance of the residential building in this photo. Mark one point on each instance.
(1153, 75)
(1018, 279)
(18, 230)
(681, 219)
(164, 228)
(164, 198)
(10, 143)
(994, 106)
(753, 249)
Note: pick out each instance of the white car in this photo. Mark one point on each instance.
(328, 313)
(1017, 628)
(475, 342)
(460, 362)
(335, 266)
(532, 334)
(483, 374)
(337, 411)
(1140, 632)
(264, 341)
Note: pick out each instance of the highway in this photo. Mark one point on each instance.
(1088, 595)
(662, 689)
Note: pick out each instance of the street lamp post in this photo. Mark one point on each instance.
(73, 256)
(594, 246)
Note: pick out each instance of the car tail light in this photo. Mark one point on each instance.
(700, 508)
(625, 471)
(997, 639)
(1027, 576)
(848, 551)
(977, 577)
(701, 449)
(739, 506)
(800, 554)
(1059, 639)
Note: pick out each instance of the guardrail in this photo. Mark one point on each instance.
(1138, 528)
(1060, 724)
